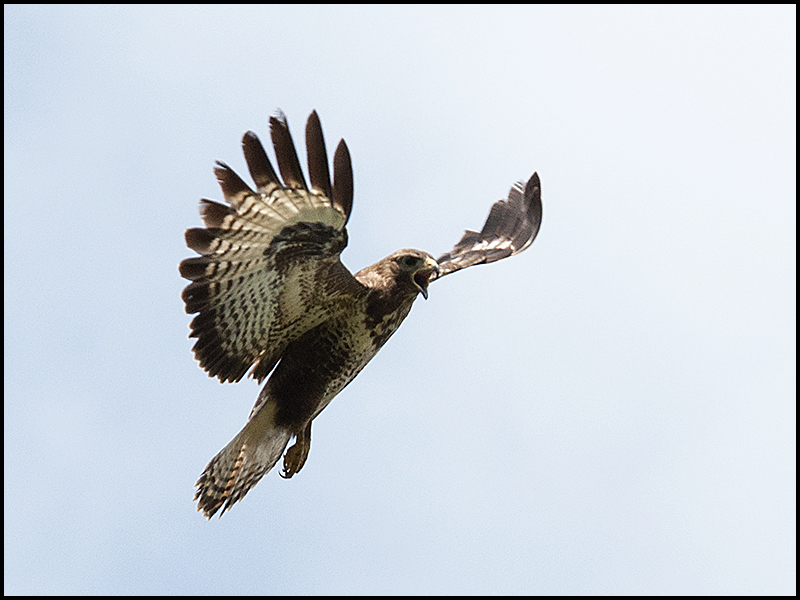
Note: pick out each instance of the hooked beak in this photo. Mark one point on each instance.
(422, 277)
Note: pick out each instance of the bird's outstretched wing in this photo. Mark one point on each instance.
(265, 259)
(510, 228)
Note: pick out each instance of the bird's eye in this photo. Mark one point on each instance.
(410, 261)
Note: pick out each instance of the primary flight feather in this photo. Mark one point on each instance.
(272, 297)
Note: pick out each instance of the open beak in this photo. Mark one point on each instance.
(422, 277)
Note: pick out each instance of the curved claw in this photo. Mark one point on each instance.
(296, 456)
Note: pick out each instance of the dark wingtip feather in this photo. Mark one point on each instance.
(257, 161)
(232, 185)
(288, 163)
(343, 180)
(214, 213)
(318, 171)
(192, 269)
(199, 239)
(533, 201)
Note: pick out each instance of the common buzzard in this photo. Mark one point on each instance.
(273, 298)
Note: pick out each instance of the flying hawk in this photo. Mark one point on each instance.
(272, 297)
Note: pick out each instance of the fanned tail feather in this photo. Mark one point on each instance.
(242, 463)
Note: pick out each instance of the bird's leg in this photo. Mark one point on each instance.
(296, 456)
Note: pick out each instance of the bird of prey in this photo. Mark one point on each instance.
(272, 297)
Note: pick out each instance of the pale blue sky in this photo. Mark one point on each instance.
(611, 412)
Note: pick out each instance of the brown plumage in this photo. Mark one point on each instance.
(272, 297)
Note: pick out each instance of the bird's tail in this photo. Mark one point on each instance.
(243, 462)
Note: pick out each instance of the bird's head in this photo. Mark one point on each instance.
(414, 269)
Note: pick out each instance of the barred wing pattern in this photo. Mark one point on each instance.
(264, 258)
(511, 227)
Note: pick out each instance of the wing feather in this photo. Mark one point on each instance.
(258, 163)
(318, 171)
(264, 259)
(511, 227)
(343, 180)
(288, 163)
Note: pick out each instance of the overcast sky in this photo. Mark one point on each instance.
(611, 412)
